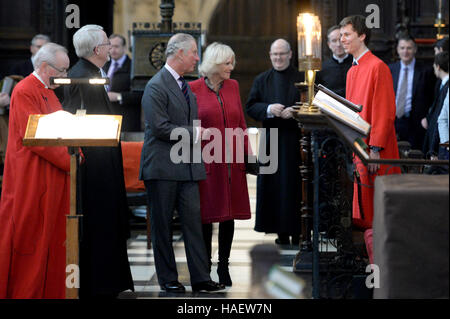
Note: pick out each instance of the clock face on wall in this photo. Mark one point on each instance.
(149, 57)
(156, 55)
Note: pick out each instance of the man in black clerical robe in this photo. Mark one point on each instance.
(333, 74)
(270, 100)
(104, 266)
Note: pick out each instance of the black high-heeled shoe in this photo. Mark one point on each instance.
(224, 274)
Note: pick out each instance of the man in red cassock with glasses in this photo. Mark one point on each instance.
(35, 194)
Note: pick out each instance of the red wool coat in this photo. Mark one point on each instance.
(224, 193)
(370, 84)
(34, 202)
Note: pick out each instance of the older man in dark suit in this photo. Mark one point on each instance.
(124, 101)
(170, 107)
(413, 86)
(24, 68)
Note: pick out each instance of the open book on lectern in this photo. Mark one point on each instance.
(340, 109)
(62, 128)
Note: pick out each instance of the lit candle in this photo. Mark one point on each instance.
(309, 41)
(308, 26)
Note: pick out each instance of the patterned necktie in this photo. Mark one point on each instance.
(103, 75)
(111, 72)
(401, 98)
(184, 89)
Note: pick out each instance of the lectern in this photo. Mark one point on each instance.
(74, 131)
(340, 116)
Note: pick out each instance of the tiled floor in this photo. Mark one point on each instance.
(245, 238)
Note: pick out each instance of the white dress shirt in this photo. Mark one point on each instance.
(443, 122)
(39, 78)
(355, 60)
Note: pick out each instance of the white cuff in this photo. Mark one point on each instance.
(197, 135)
(269, 114)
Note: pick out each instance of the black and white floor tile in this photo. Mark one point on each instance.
(245, 238)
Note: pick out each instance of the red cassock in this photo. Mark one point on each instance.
(34, 202)
(224, 193)
(370, 84)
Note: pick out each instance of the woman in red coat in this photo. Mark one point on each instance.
(224, 193)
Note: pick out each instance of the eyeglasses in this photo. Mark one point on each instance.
(107, 43)
(279, 54)
(62, 71)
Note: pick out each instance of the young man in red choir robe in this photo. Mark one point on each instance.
(369, 83)
(35, 194)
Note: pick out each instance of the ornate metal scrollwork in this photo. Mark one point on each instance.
(335, 209)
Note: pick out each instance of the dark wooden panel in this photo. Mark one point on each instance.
(418, 16)
(20, 20)
(249, 27)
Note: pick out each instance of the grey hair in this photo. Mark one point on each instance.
(86, 39)
(47, 54)
(216, 53)
(44, 37)
(179, 41)
(286, 44)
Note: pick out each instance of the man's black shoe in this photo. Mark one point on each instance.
(173, 286)
(207, 286)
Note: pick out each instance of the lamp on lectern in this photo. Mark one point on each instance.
(69, 81)
(309, 39)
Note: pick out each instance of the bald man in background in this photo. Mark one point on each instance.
(270, 101)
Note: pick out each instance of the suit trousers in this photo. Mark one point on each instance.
(402, 129)
(164, 197)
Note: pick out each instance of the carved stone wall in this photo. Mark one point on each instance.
(128, 11)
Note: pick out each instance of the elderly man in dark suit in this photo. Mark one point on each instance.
(413, 86)
(124, 101)
(24, 68)
(104, 266)
(170, 107)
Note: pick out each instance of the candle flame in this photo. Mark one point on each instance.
(309, 33)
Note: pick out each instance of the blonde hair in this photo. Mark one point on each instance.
(216, 53)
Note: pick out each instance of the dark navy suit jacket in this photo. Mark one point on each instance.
(422, 98)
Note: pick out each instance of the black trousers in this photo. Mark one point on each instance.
(226, 233)
(164, 197)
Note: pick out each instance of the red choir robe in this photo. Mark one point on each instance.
(370, 84)
(34, 202)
